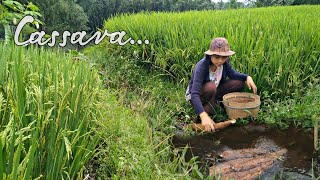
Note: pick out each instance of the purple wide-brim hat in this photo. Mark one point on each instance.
(219, 46)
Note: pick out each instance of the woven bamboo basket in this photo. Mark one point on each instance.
(241, 104)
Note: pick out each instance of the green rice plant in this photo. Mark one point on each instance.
(277, 46)
(48, 107)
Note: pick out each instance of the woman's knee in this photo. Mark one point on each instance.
(238, 85)
(209, 88)
(230, 86)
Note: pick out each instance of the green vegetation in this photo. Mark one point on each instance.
(48, 106)
(278, 51)
(11, 12)
(78, 15)
(302, 111)
(58, 121)
(281, 57)
(61, 16)
(140, 138)
(162, 104)
(133, 149)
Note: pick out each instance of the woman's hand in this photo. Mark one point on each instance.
(207, 122)
(251, 84)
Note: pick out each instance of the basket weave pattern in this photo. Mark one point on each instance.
(241, 105)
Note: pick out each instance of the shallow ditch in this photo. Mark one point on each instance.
(296, 164)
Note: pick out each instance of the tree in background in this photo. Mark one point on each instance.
(99, 10)
(66, 15)
(234, 4)
(282, 2)
(61, 15)
(220, 4)
(299, 2)
(261, 3)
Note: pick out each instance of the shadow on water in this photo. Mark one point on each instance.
(296, 165)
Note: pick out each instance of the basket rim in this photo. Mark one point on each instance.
(242, 107)
(241, 94)
(252, 105)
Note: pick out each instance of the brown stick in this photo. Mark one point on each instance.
(217, 126)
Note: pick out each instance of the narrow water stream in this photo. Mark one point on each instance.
(297, 163)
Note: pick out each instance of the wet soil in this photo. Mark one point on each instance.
(297, 163)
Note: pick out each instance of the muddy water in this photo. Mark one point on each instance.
(296, 165)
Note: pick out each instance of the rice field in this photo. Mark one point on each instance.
(54, 110)
(278, 46)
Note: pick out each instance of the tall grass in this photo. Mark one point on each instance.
(48, 105)
(277, 46)
(139, 123)
(135, 150)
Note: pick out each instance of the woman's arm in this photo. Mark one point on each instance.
(198, 78)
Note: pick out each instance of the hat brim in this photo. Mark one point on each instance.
(229, 53)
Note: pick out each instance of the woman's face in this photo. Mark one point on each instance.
(218, 60)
